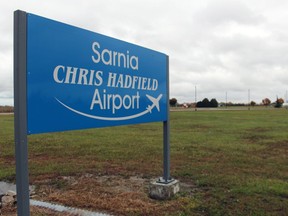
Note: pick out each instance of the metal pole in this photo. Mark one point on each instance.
(248, 99)
(195, 98)
(166, 137)
(20, 112)
(166, 152)
(226, 100)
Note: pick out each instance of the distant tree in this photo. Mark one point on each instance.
(252, 103)
(199, 104)
(279, 102)
(266, 102)
(213, 103)
(173, 102)
(6, 109)
(205, 102)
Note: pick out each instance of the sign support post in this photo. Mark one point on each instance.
(166, 153)
(166, 137)
(165, 187)
(20, 113)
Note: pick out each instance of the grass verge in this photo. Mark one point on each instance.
(229, 163)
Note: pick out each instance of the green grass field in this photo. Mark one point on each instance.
(229, 162)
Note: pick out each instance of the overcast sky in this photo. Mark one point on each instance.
(219, 46)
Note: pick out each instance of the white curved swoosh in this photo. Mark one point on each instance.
(104, 118)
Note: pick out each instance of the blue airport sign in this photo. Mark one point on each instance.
(78, 79)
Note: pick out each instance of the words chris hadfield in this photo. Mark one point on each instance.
(101, 98)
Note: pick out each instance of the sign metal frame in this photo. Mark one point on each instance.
(20, 112)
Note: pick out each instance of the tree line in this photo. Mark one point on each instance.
(204, 103)
(6, 109)
(214, 103)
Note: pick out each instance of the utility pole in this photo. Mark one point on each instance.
(248, 99)
(195, 98)
(226, 100)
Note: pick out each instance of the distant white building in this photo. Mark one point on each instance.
(285, 104)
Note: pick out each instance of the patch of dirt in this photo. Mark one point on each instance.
(259, 130)
(7, 160)
(111, 194)
(275, 149)
(256, 134)
(118, 195)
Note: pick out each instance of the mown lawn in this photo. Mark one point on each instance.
(229, 162)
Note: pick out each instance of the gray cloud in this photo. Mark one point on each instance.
(222, 12)
(219, 46)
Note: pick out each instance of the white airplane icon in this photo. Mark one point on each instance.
(155, 102)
